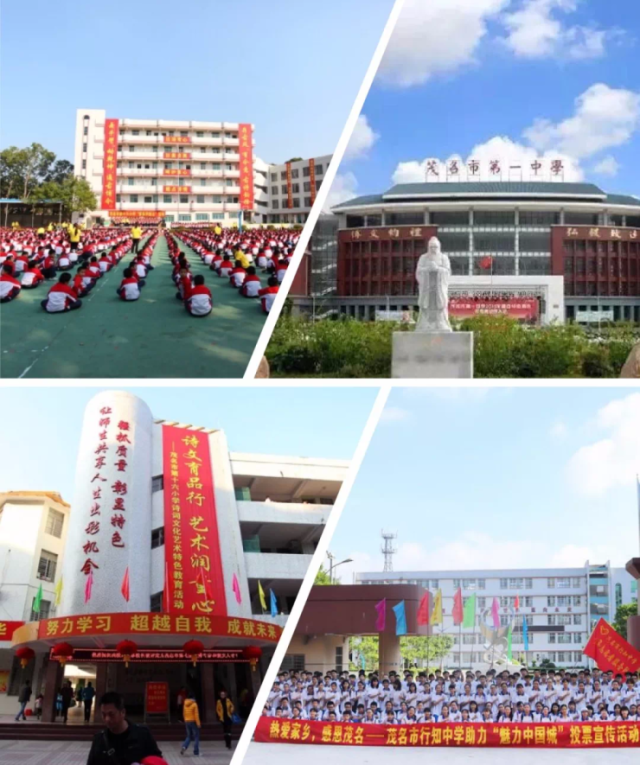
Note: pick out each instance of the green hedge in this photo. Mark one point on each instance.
(503, 348)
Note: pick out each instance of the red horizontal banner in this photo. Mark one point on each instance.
(176, 189)
(7, 629)
(179, 172)
(516, 308)
(126, 214)
(154, 624)
(177, 139)
(548, 735)
(157, 655)
(176, 155)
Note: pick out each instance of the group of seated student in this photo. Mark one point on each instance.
(475, 697)
(134, 275)
(29, 258)
(238, 256)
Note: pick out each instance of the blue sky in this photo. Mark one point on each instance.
(291, 68)
(41, 426)
(459, 74)
(497, 477)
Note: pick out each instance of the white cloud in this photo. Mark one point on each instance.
(393, 414)
(558, 430)
(510, 153)
(435, 37)
(362, 139)
(536, 30)
(344, 187)
(609, 165)
(604, 117)
(614, 460)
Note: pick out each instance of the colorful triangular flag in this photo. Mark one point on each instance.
(381, 609)
(88, 587)
(124, 588)
(58, 591)
(436, 616)
(263, 600)
(236, 589)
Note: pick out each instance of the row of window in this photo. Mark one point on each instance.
(295, 173)
(217, 166)
(184, 133)
(228, 182)
(489, 218)
(182, 199)
(295, 188)
(275, 204)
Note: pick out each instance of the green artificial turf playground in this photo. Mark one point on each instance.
(153, 337)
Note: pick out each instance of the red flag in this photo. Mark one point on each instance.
(517, 603)
(610, 651)
(486, 263)
(202, 581)
(236, 589)
(458, 610)
(166, 593)
(381, 610)
(424, 609)
(124, 589)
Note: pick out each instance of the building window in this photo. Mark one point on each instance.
(405, 219)
(55, 522)
(184, 217)
(306, 172)
(148, 200)
(133, 198)
(45, 610)
(167, 200)
(157, 537)
(47, 566)
(339, 657)
(618, 595)
(202, 216)
(184, 199)
(295, 173)
(200, 200)
(86, 130)
(293, 662)
(157, 482)
(319, 169)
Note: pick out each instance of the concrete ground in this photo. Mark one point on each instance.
(153, 337)
(293, 754)
(75, 753)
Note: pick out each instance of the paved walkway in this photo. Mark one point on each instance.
(75, 753)
(291, 754)
(151, 338)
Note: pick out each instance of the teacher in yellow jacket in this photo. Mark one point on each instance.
(225, 708)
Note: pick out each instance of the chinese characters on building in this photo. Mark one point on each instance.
(245, 141)
(110, 163)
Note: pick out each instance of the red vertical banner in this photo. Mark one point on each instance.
(289, 186)
(312, 179)
(192, 542)
(110, 164)
(245, 140)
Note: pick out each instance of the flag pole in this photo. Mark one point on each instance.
(460, 648)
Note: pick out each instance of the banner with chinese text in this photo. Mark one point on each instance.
(176, 155)
(289, 186)
(526, 309)
(177, 171)
(245, 149)
(156, 698)
(312, 179)
(610, 651)
(549, 735)
(176, 139)
(192, 544)
(127, 214)
(176, 189)
(109, 164)
(7, 629)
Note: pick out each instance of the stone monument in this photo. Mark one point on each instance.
(433, 350)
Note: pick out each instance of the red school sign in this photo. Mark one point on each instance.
(195, 578)
(453, 735)
(157, 698)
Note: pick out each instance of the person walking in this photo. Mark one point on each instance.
(224, 710)
(192, 724)
(136, 235)
(66, 697)
(87, 699)
(23, 699)
(121, 742)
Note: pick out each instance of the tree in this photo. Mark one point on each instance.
(60, 170)
(622, 615)
(22, 171)
(74, 193)
(322, 577)
(425, 651)
(365, 646)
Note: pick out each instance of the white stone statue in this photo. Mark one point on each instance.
(432, 275)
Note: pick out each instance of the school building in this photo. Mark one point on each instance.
(185, 171)
(220, 525)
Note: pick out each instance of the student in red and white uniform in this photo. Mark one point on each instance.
(216, 262)
(281, 270)
(129, 288)
(238, 275)
(185, 284)
(105, 264)
(226, 267)
(251, 285)
(64, 262)
(261, 259)
(9, 286)
(49, 266)
(199, 303)
(21, 264)
(32, 277)
(268, 294)
(61, 297)
(139, 269)
(207, 258)
(93, 269)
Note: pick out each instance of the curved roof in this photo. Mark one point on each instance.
(420, 192)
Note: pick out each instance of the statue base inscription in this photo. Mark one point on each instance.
(432, 355)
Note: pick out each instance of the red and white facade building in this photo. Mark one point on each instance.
(542, 252)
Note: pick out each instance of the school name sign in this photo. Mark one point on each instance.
(548, 735)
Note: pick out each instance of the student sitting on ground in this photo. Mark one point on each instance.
(251, 285)
(129, 288)
(9, 286)
(49, 266)
(226, 267)
(82, 284)
(61, 297)
(139, 269)
(21, 264)
(64, 262)
(281, 270)
(93, 269)
(185, 284)
(199, 303)
(268, 294)
(237, 275)
(105, 263)
(32, 277)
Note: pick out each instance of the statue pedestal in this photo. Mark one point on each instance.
(432, 355)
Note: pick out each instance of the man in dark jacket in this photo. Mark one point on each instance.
(121, 742)
(66, 692)
(23, 700)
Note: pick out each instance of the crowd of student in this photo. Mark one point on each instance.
(29, 258)
(235, 256)
(422, 697)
